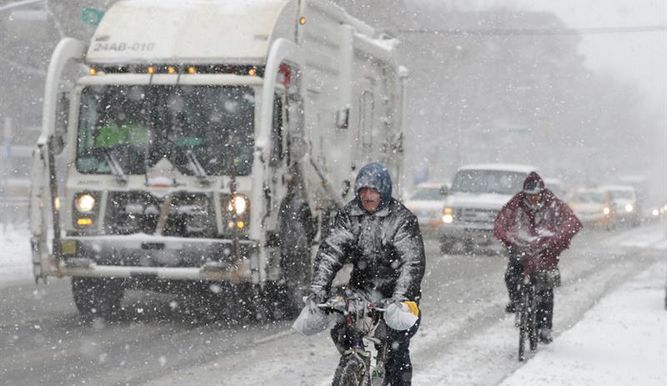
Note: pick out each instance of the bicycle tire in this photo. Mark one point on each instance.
(532, 320)
(522, 334)
(525, 313)
(351, 371)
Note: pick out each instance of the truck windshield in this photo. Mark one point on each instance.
(488, 181)
(140, 125)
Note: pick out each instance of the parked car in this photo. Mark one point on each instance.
(426, 203)
(594, 207)
(477, 194)
(626, 204)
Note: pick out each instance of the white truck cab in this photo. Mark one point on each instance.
(477, 194)
(200, 127)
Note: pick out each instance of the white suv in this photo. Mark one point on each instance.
(477, 194)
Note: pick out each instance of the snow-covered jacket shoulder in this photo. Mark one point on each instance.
(385, 248)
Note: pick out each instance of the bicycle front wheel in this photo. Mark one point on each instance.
(351, 371)
(523, 327)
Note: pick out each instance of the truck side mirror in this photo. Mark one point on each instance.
(343, 118)
(62, 119)
(298, 148)
(444, 190)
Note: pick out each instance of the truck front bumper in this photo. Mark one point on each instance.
(146, 256)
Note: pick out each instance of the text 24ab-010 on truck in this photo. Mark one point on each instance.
(209, 143)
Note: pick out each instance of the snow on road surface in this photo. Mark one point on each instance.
(442, 356)
(620, 341)
(470, 350)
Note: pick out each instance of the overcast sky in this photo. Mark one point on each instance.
(632, 56)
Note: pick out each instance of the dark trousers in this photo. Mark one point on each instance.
(545, 305)
(398, 367)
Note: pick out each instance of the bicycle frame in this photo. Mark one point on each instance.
(360, 365)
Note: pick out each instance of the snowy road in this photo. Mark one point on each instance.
(465, 337)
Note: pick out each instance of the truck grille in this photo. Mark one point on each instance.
(476, 215)
(181, 214)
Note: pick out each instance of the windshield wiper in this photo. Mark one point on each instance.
(114, 165)
(196, 166)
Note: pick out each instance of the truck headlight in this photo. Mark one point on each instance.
(84, 203)
(238, 204)
(236, 212)
(629, 208)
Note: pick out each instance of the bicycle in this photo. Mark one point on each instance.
(530, 288)
(358, 365)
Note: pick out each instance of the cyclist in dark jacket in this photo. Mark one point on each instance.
(381, 239)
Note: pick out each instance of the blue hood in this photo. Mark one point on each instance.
(376, 176)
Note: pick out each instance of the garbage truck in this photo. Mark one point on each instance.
(204, 147)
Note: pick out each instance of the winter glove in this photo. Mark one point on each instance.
(401, 315)
(313, 320)
(317, 296)
(552, 277)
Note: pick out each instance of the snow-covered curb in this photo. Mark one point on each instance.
(620, 341)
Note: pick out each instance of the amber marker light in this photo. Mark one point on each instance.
(150, 70)
(192, 70)
(171, 70)
(302, 20)
(84, 221)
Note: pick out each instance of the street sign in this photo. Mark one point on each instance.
(91, 16)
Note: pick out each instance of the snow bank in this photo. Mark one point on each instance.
(15, 264)
(620, 341)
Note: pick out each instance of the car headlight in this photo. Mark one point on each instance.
(238, 204)
(448, 215)
(85, 203)
(629, 208)
(606, 210)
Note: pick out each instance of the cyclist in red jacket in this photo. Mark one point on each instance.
(535, 227)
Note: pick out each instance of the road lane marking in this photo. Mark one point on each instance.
(274, 336)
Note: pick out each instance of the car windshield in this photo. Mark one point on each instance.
(138, 126)
(488, 181)
(427, 194)
(589, 197)
(622, 194)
